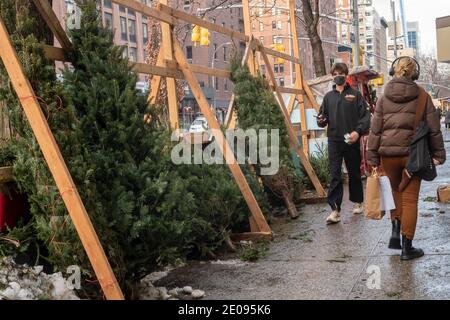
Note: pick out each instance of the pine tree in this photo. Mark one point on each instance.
(257, 108)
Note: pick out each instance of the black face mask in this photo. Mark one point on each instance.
(339, 80)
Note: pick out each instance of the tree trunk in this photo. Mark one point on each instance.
(311, 25)
(318, 54)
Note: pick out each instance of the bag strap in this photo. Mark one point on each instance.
(421, 106)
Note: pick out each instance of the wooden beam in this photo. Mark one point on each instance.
(166, 36)
(146, 10)
(292, 136)
(201, 22)
(248, 32)
(310, 95)
(221, 141)
(298, 73)
(47, 13)
(277, 54)
(55, 53)
(252, 236)
(289, 90)
(155, 84)
(58, 168)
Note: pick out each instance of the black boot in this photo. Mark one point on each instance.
(394, 242)
(408, 251)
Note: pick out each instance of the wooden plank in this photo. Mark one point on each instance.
(146, 10)
(47, 13)
(277, 54)
(248, 33)
(252, 236)
(292, 137)
(310, 95)
(6, 174)
(210, 71)
(58, 168)
(201, 22)
(221, 141)
(155, 84)
(290, 90)
(166, 36)
(298, 73)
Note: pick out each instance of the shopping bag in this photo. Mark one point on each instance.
(372, 209)
(387, 198)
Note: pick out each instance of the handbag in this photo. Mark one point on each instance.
(420, 161)
(387, 198)
(372, 205)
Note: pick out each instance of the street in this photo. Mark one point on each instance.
(310, 260)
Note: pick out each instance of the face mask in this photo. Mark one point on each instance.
(339, 80)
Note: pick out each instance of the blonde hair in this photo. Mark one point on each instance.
(405, 67)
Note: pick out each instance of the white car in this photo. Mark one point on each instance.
(199, 125)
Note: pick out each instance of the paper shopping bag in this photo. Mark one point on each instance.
(372, 208)
(387, 198)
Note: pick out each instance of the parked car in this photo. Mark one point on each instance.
(199, 125)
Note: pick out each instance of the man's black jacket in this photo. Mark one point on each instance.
(345, 112)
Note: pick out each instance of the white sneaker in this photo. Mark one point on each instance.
(334, 217)
(358, 208)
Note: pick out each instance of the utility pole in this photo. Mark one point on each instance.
(395, 27)
(356, 24)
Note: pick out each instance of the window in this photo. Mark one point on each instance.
(107, 4)
(281, 67)
(274, 25)
(189, 52)
(279, 25)
(144, 33)
(144, 1)
(133, 54)
(225, 85)
(223, 24)
(215, 51)
(253, 26)
(275, 68)
(281, 80)
(224, 53)
(131, 12)
(261, 26)
(202, 84)
(132, 30)
(125, 52)
(216, 83)
(121, 8)
(261, 39)
(123, 29)
(108, 21)
(187, 5)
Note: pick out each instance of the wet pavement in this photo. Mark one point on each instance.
(310, 260)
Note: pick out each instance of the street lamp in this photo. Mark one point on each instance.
(212, 66)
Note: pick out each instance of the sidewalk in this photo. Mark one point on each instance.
(310, 260)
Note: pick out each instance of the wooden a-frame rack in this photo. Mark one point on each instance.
(171, 64)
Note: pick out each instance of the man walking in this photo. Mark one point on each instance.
(348, 118)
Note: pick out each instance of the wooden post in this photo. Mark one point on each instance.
(298, 74)
(248, 32)
(167, 48)
(292, 136)
(221, 141)
(46, 11)
(58, 168)
(156, 80)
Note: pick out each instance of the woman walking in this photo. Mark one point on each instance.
(391, 133)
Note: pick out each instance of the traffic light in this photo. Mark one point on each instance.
(195, 37)
(361, 55)
(204, 39)
(280, 48)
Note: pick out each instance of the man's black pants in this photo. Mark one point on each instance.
(337, 151)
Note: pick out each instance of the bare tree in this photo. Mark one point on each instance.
(311, 16)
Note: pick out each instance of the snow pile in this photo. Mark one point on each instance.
(19, 282)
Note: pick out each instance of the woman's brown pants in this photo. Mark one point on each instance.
(406, 202)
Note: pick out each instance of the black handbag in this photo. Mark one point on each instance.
(420, 161)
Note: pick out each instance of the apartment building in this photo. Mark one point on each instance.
(270, 23)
